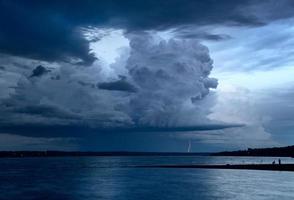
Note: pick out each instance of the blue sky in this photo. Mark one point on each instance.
(150, 76)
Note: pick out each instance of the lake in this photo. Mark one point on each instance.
(89, 178)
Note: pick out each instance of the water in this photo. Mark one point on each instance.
(89, 178)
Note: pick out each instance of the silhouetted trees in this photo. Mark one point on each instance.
(267, 152)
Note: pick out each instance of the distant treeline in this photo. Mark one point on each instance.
(17, 154)
(266, 152)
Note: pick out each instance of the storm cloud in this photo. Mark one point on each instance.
(54, 30)
(74, 131)
(164, 86)
(39, 71)
(120, 85)
(56, 82)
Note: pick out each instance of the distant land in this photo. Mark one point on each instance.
(18, 154)
(270, 167)
(264, 152)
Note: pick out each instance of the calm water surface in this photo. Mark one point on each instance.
(90, 178)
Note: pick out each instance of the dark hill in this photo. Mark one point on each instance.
(266, 152)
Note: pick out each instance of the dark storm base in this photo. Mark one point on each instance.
(271, 167)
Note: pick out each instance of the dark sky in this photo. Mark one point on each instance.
(145, 75)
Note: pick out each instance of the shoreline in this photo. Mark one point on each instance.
(46, 154)
(268, 167)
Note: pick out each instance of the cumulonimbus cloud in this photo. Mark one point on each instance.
(164, 87)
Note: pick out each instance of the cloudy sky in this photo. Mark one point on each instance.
(146, 75)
